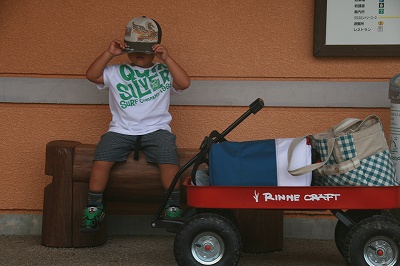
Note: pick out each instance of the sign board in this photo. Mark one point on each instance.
(357, 28)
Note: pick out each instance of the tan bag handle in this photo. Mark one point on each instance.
(307, 168)
(322, 168)
(344, 125)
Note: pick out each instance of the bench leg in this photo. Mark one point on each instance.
(56, 222)
(64, 201)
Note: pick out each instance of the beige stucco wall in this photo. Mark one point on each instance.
(236, 40)
(211, 39)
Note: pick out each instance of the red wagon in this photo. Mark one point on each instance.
(366, 232)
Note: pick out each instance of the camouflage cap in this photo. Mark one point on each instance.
(141, 34)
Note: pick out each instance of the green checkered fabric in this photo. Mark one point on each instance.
(345, 143)
(347, 148)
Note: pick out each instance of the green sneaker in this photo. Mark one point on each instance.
(172, 212)
(91, 218)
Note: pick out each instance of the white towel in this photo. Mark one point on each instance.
(301, 157)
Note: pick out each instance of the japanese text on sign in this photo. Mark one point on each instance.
(365, 22)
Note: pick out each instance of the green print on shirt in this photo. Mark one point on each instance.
(142, 86)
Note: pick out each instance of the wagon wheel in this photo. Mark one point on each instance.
(207, 239)
(228, 214)
(374, 241)
(341, 230)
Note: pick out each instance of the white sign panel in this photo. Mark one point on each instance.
(363, 22)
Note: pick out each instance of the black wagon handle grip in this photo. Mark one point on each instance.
(254, 107)
(257, 105)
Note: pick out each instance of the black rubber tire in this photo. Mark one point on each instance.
(207, 239)
(341, 230)
(228, 214)
(374, 241)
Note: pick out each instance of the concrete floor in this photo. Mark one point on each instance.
(156, 251)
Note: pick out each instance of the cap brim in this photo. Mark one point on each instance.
(139, 47)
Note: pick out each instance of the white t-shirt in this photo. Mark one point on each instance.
(139, 98)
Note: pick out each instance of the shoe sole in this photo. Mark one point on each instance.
(90, 229)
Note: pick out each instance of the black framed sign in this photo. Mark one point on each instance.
(357, 28)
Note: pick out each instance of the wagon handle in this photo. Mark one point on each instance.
(254, 107)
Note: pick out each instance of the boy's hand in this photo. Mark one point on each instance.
(116, 47)
(181, 80)
(160, 51)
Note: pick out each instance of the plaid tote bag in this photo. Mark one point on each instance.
(352, 153)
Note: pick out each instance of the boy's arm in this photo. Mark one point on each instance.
(181, 80)
(95, 71)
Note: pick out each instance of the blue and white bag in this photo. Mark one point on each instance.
(257, 163)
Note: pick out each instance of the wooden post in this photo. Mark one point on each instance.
(261, 230)
(58, 226)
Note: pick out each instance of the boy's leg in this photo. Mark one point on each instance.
(160, 148)
(99, 176)
(112, 147)
(167, 173)
(94, 212)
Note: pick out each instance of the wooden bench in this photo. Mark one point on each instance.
(134, 188)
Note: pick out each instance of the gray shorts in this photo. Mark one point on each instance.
(158, 146)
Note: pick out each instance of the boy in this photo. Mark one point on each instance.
(139, 98)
